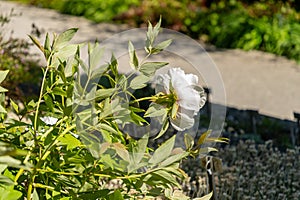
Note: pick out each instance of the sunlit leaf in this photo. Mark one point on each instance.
(137, 153)
(161, 46)
(156, 110)
(206, 197)
(64, 38)
(70, 141)
(2, 89)
(121, 151)
(8, 193)
(138, 119)
(174, 158)
(139, 82)
(3, 75)
(149, 68)
(134, 63)
(36, 42)
(188, 141)
(8, 160)
(203, 137)
(34, 195)
(167, 176)
(5, 181)
(2, 109)
(47, 47)
(164, 128)
(163, 151)
(104, 93)
(95, 54)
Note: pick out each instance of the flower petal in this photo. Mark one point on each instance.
(182, 122)
(162, 83)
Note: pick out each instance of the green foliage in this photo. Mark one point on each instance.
(233, 26)
(95, 10)
(69, 143)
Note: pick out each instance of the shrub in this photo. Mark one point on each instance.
(70, 142)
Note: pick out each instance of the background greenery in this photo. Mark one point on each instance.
(271, 26)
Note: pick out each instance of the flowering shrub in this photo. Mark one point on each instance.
(71, 142)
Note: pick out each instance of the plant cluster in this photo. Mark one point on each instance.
(261, 26)
(70, 143)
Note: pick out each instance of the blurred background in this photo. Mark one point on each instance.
(268, 25)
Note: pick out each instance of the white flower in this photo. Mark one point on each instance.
(187, 96)
(49, 120)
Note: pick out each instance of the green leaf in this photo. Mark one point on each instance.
(173, 159)
(15, 106)
(96, 74)
(4, 180)
(64, 38)
(151, 36)
(139, 82)
(175, 195)
(156, 110)
(8, 193)
(137, 153)
(2, 89)
(113, 65)
(95, 54)
(206, 197)
(47, 43)
(49, 102)
(203, 137)
(134, 62)
(3, 75)
(188, 141)
(70, 141)
(108, 161)
(137, 119)
(2, 109)
(59, 91)
(103, 126)
(9, 161)
(163, 151)
(149, 68)
(164, 128)
(121, 151)
(167, 176)
(116, 195)
(64, 53)
(2, 168)
(34, 195)
(104, 146)
(104, 93)
(161, 46)
(36, 42)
